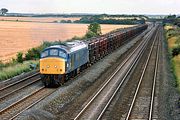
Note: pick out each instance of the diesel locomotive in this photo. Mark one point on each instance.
(58, 63)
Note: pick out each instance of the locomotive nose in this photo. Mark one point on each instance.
(52, 66)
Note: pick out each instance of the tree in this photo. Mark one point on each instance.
(20, 57)
(90, 34)
(3, 11)
(171, 16)
(95, 28)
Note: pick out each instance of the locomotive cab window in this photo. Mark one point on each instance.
(44, 54)
(54, 52)
(62, 54)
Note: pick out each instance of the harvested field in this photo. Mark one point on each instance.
(21, 36)
(38, 19)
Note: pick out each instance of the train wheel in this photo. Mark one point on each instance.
(45, 80)
(63, 79)
(46, 84)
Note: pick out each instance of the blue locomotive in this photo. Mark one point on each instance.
(59, 62)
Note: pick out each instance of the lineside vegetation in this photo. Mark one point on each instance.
(173, 39)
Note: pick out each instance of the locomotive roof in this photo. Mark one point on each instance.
(70, 46)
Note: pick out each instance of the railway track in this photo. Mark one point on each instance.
(16, 108)
(25, 103)
(16, 86)
(98, 104)
(143, 101)
(13, 94)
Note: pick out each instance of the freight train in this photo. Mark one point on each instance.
(59, 63)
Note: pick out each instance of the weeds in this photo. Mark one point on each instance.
(15, 69)
(174, 52)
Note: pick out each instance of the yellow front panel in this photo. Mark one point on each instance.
(52, 66)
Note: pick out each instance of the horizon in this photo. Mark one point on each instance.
(140, 7)
(89, 14)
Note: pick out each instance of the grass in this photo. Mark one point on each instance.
(168, 27)
(16, 69)
(172, 42)
(173, 36)
(176, 67)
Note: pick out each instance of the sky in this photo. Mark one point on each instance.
(93, 6)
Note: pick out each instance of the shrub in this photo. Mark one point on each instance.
(20, 57)
(90, 34)
(13, 61)
(33, 54)
(95, 28)
(1, 64)
(175, 51)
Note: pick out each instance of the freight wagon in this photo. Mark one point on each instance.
(60, 62)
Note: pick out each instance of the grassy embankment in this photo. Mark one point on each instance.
(22, 63)
(12, 69)
(173, 39)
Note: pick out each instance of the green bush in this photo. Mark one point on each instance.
(95, 28)
(33, 54)
(20, 57)
(175, 51)
(90, 34)
(1, 64)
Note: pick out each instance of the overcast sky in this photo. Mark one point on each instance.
(93, 6)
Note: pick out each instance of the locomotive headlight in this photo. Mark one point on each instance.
(55, 66)
(47, 66)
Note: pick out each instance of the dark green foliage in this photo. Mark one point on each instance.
(1, 65)
(171, 16)
(175, 51)
(34, 53)
(3, 11)
(66, 21)
(20, 57)
(94, 28)
(90, 34)
(100, 19)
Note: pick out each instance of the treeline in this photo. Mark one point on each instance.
(73, 15)
(109, 21)
(113, 19)
(172, 19)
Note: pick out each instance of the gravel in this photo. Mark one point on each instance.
(71, 90)
(37, 115)
(18, 95)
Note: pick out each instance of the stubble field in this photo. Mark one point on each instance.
(21, 36)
